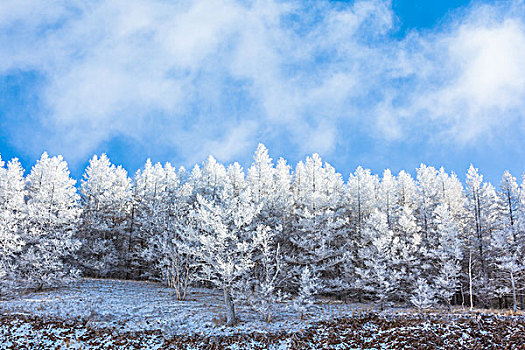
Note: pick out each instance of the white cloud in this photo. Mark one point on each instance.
(210, 76)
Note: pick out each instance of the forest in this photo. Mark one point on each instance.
(271, 233)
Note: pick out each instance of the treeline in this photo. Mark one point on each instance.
(268, 232)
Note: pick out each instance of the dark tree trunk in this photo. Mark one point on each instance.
(230, 307)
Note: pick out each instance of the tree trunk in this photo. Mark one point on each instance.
(470, 280)
(128, 258)
(230, 308)
(514, 301)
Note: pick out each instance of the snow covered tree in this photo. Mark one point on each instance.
(318, 230)
(361, 199)
(423, 295)
(166, 250)
(361, 192)
(481, 222)
(261, 176)
(262, 292)
(53, 213)
(309, 286)
(428, 199)
(213, 176)
(448, 254)
(12, 214)
(452, 194)
(105, 196)
(283, 199)
(508, 260)
(155, 191)
(235, 182)
(508, 201)
(387, 196)
(507, 254)
(223, 242)
(280, 205)
(407, 251)
(377, 276)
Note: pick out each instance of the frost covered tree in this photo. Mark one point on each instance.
(309, 286)
(361, 192)
(387, 197)
(262, 293)
(508, 261)
(508, 202)
(423, 295)
(105, 196)
(318, 229)
(53, 213)
(428, 199)
(212, 179)
(152, 196)
(481, 222)
(407, 247)
(377, 276)
(223, 241)
(281, 203)
(507, 243)
(166, 251)
(12, 214)
(361, 199)
(260, 178)
(448, 255)
(452, 196)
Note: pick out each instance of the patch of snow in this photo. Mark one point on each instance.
(137, 306)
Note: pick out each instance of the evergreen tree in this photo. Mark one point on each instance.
(223, 243)
(361, 200)
(317, 237)
(309, 286)
(407, 247)
(53, 213)
(423, 295)
(481, 218)
(448, 255)
(377, 276)
(12, 215)
(105, 196)
(262, 293)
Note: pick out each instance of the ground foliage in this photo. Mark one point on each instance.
(361, 331)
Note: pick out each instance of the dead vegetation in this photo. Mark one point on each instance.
(361, 331)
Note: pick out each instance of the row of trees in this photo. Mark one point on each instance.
(268, 231)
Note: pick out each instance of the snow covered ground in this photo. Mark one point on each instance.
(113, 314)
(136, 305)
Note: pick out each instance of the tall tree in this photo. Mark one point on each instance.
(105, 196)
(317, 237)
(12, 215)
(507, 241)
(223, 241)
(448, 254)
(361, 200)
(387, 197)
(377, 275)
(480, 205)
(53, 213)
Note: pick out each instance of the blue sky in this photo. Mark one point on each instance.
(373, 83)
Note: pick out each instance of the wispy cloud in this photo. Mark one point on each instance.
(218, 76)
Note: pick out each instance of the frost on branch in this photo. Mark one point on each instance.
(423, 295)
(308, 288)
(53, 213)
